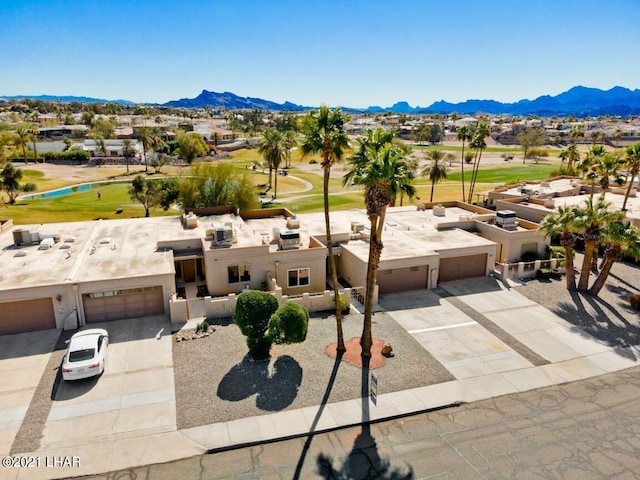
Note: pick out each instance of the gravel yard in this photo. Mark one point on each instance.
(608, 317)
(215, 382)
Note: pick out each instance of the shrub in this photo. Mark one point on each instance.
(530, 256)
(72, 156)
(344, 306)
(202, 326)
(634, 300)
(468, 157)
(547, 273)
(253, 311)
(289, 324)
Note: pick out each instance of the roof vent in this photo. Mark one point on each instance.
(20, 253)
(105, 240)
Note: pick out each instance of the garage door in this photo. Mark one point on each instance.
(27, 316)
(402, 279)
(457, 268)
(127, 303)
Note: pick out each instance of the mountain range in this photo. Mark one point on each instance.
(579, 101)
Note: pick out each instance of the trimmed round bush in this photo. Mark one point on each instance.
(289, 324)
(253, 310)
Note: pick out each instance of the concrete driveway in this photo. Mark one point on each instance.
(23, 359)
(103, 423)
(135, 392)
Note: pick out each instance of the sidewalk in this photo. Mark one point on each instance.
(484, 367)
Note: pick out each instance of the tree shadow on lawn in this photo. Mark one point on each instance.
(276, 387)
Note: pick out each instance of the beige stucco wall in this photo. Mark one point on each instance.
(510, 243)
(262, 260)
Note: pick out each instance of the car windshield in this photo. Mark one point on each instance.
(80, 355)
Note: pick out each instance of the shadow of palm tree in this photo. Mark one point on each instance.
(599, 324)
(276, 388)
(364, 461)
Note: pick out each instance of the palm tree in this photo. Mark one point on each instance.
(588, 166)
(383, 174)
(144, 137)
(436, 170)
(272, 148)
(632, 162)
(572, 155)
(562, 223)
(576, 132)
(591, 220)
(620, 237)
(33, 133)
(325, 134)
(127, 151)
(23, 134)
(464, 134)
(481, 132)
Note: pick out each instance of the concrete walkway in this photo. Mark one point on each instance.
(484, 366)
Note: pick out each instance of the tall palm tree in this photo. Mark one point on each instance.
(632, 162)
(562, 223)
(272, 148)
(23, 135)
(481, 132)
(33, 134)
(464, 134)
(127, 151)
(324, 134)
(145, 138)
(619, 237)
(436, 170)
(591, 220)
(383, 173)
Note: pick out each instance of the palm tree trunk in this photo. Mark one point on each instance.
(602, 276)
(627, 193)
(589, 250)
(275, 186)
(340, 348)
(375, 250)
(462, 167)
(433, 185)
(570, 275)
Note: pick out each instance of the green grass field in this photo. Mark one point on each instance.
(85, 205)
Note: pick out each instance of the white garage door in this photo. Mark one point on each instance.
(126, 303)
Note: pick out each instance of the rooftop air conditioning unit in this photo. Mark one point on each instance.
(357, 227)
(21, 237)
(293, 223)
(506, 219)
(288, 239)
(221, 235)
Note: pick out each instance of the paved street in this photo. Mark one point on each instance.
(583, 430)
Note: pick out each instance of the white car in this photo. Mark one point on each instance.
(85, 354)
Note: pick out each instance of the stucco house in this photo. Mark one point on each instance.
(66, 275)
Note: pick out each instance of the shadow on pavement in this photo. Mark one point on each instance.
(364, 461)
(619, 334)
(276, 388)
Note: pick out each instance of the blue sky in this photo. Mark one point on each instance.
(349, 53)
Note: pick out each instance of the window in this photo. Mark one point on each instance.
(298, 277)
(239, 273)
